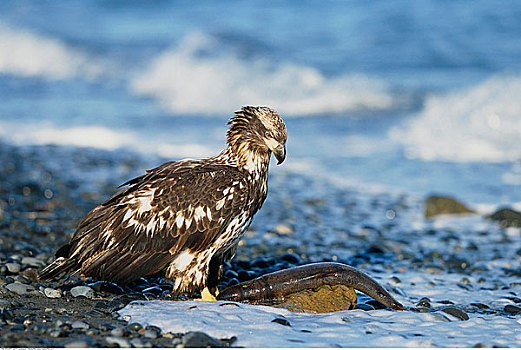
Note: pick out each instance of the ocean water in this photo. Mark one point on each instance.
(416, 97)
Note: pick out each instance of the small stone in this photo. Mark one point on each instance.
(284, 229)
(121, 342)
(456, 313)
(480, 305)
(134, 327)
(138, 343)
(78, 344)
(82, 291)
(19, 288)
(27, 260)
(13, 267)
(119, 332)
(52, 293)
(281, 321)
(291, 258)
(424, 302)
(79, 325)
(512, 309)
(200, 340)
(151, 334)
(58, 333)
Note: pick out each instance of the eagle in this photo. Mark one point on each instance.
(184, 218)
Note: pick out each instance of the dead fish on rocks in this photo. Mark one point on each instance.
(310, 288)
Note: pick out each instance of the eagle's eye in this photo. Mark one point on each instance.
(269, 135)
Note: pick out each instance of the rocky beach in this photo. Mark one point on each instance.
(457, 268)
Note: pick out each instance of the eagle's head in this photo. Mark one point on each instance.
(257, 131)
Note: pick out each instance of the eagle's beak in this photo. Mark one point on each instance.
(280, 153)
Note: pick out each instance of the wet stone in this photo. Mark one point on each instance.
(52, 293)
(78, 344)
(281, 321)
(512, 309)
(480, 306)
(121, 342)
(291, 258)
(119, 332)
(13, 267)
(79, 325)
(138, 343)
(456, 313)
(134, 327)
(424, 302)
(200, 340)
(82, 291)
(30, 261)
(151, 334)
(19, 288)
(58, 333)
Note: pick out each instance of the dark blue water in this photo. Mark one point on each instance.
(416, 96)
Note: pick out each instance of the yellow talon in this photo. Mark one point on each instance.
(207, 296)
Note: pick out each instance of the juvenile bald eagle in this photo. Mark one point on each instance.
(183, 218)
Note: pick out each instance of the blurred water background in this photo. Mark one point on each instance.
(417, 97)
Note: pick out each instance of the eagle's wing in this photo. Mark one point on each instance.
(142, 228)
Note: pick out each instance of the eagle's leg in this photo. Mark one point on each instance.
(210, 292)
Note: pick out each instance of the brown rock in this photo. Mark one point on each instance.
(319, 300)
(438, 205)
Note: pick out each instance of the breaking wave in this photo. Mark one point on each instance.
(198, 76)
(29, 54)
(97, 137)
(479, 123)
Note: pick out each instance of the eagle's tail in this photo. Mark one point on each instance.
(62, 265)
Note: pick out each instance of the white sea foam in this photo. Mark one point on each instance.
(185, 81)
(33, 55)
(480, 123)
(97, 137)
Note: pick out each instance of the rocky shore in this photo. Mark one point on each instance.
(45, 191)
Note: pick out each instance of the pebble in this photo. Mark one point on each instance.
(283, 229)
(121, 342)
(19, 288)
(58, 333)
(13, 267)
(512, 309)
(200, 340)
(52, 293)
(119, 332)
(281, 321)
(27, 260)
(134, 326)
(78, 344)
(424, 302)
(79, 325)
(480, 305)
(456, 313)
(151, 334)
(82, 291)
(138, 343)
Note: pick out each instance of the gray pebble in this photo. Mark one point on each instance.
(13, 267)
(58, 333)
(79, 325)
(121, 342)
(78, 344)
(52, 293)
(19, 288)
(456, 313)
(200, 340)
(134, 326)
(119, 332)
(151, 334)
(82, 291)
(138, 343)
(27, 260)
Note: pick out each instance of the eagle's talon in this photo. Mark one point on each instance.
(206, 295)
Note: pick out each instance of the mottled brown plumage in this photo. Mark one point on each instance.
(182, 218)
